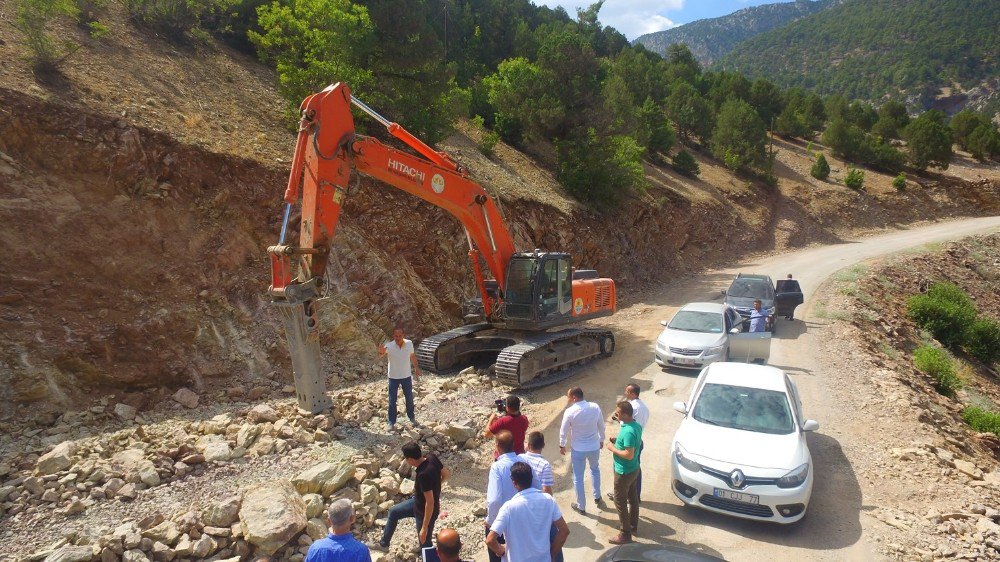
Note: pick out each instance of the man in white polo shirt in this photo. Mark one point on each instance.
(525, 521)
(401, 357)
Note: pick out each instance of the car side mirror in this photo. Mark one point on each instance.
(734, 331)
(682, 407)
(663, 323)
(810, 425)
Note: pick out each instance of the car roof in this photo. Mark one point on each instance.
(746, 374)
(705, 307)
(753, 276)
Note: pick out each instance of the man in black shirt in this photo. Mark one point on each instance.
(425, 505)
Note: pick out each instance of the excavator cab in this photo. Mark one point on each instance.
(539, 292)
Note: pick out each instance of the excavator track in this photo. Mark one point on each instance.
(427, 351)
(542, 359)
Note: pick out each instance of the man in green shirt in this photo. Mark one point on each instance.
(625, 449)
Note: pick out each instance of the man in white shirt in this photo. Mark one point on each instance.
(525, 521)
(640, 413)
(401, 357)
(583, 424)
(500, 488)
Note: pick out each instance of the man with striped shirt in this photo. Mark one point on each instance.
(540, 467)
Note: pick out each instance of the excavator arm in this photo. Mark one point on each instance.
(327, 151)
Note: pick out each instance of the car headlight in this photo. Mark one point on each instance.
(715, 350)
(660, 346)
(794, 478)
(684, 461)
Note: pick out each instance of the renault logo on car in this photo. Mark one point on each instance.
(737, 478)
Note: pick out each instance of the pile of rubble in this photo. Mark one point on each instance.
(281, 518)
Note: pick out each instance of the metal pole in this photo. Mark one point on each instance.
(284, 224)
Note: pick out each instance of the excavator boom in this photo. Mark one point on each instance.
(327, 152)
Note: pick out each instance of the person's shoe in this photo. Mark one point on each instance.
(635, 529)
(620, 538)
(391, 427)
(376, 545)
(611, 496)
(598, 501)
(414, 423)
(576, 507)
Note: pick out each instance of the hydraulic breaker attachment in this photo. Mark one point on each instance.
(302, 333)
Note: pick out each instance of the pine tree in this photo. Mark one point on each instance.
(820, 169)
(685, 164)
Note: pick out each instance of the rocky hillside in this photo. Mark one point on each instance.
(711, 39)
(921, 434)
(137, 207)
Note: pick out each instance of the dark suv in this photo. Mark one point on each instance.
(747, 288)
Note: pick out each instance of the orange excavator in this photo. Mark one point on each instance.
(525, 303)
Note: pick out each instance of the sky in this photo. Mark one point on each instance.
(637, 17)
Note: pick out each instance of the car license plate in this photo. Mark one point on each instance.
(684, 361)
(737, 496)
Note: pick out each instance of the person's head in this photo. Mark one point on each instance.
(521, 475)
(631, 391)
(789, 275)
(536, 441)
(341, 516)
(574, 394)
(756, 304)
(513, 404)
(397, 333)
(449, 545)
(624, 411)
(412, 453)
(505, 441)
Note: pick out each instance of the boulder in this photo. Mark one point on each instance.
(316, 529)
(70, 553)
(129, 459)
(186, 397)
(460, 432)
(262, 413)
(165, 532)
(325, 477)
(148, 475)
(314, 505)
(59, 458)
(215, 448)
(203, 547)
(406, 487)
(222, 513)
(134, 555)
(272, 514)
(125, 412)
(969, 469)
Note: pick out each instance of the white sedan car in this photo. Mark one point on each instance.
(741, 449)
(697, 335)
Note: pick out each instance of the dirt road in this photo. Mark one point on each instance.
(837, 524)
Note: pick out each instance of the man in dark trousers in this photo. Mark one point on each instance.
(425, 505)
(401, 359)
(625, 448)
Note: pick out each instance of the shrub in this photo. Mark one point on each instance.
(855, 179)
(820, 169)
(600, 170)
(982, 420)
(929, 141)
(32, 17)
(686, 164)
(899, 182)
(982, 340)
(739, 139)
(945, 311)
(488, 139)
(174, 17)
(935, 362)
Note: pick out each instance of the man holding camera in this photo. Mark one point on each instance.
(511, 420)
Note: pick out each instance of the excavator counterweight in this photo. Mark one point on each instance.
(525, 305)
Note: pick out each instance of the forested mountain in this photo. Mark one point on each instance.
(874, 49)
(711, 39)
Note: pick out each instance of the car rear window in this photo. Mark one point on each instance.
(740, 407)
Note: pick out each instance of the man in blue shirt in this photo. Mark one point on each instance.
(758, 318)
(500, 488)
(340, 545)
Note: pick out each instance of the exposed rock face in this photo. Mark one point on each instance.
(57, 459)
(272, 515)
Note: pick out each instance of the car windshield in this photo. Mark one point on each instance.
(693, 321)
(749, 409)
(748, 288)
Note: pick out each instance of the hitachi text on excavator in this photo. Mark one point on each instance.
(525, 305)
